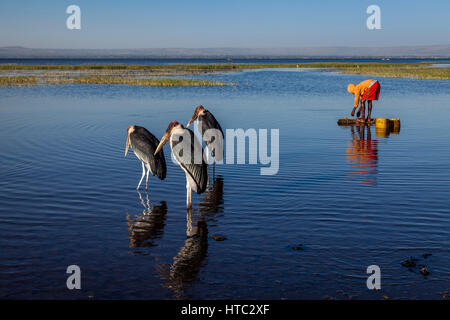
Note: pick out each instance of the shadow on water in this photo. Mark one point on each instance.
(362, 152)
(186, 265)
(148, 226)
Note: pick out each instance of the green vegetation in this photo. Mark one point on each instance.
(18, 81)
(394, 70)
(138, 75)
(158, 82)
(7, 81)
(172, 68)
(148, 75)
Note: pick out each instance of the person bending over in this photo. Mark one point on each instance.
(367, 90)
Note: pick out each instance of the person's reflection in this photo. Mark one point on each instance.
(148, 226)
(187, 263)
(362, 154)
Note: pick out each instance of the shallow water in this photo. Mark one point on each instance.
(350, 198)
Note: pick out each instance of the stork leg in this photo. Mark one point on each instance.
(146, 179)
(143, 174)
(188, 195)
(207, 165)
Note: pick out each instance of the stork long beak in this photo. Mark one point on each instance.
(128, 144)
(194, 116)
(163, 141)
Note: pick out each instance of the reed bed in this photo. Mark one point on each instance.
(146, 75)
(121, 67)
(8, 81)
(393, 70)
(156, 82)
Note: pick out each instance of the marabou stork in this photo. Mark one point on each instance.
(144, 145)
(188, 155)
(207, 121)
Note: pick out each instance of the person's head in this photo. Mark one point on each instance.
(351, 88)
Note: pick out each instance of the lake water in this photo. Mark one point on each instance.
(344, 198)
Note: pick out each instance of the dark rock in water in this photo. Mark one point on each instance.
(218, 237)
(298, 247)
(409, 263)
(426, 255)
(342, 292)
(424, 271)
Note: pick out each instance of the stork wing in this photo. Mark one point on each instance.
(144, 145)
(208, 121)
(193, 164)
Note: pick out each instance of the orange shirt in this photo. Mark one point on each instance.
(360, 89)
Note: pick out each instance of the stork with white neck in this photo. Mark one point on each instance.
(188, 153)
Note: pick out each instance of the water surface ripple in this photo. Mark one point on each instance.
(348, 197)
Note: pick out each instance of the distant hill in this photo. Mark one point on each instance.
(438, 51)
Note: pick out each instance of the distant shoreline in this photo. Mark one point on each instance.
(233, 58)
(441, 51)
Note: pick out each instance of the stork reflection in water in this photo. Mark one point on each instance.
(186, 265)
(148, 226)
(212, 200)
(211, 133)
(190, 258)
(144, 145)
(188, 153)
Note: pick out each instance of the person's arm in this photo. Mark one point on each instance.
(356, 98)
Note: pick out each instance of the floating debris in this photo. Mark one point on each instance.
(298, 247)
(426, 255)
(218, 237)
(409, 263)
(424, 271)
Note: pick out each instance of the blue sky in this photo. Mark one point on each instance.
(222, 23)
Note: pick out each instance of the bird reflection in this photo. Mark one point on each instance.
(191, 257)
(148, 226)
(212, 201)
(362, 154)
(187, 263)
